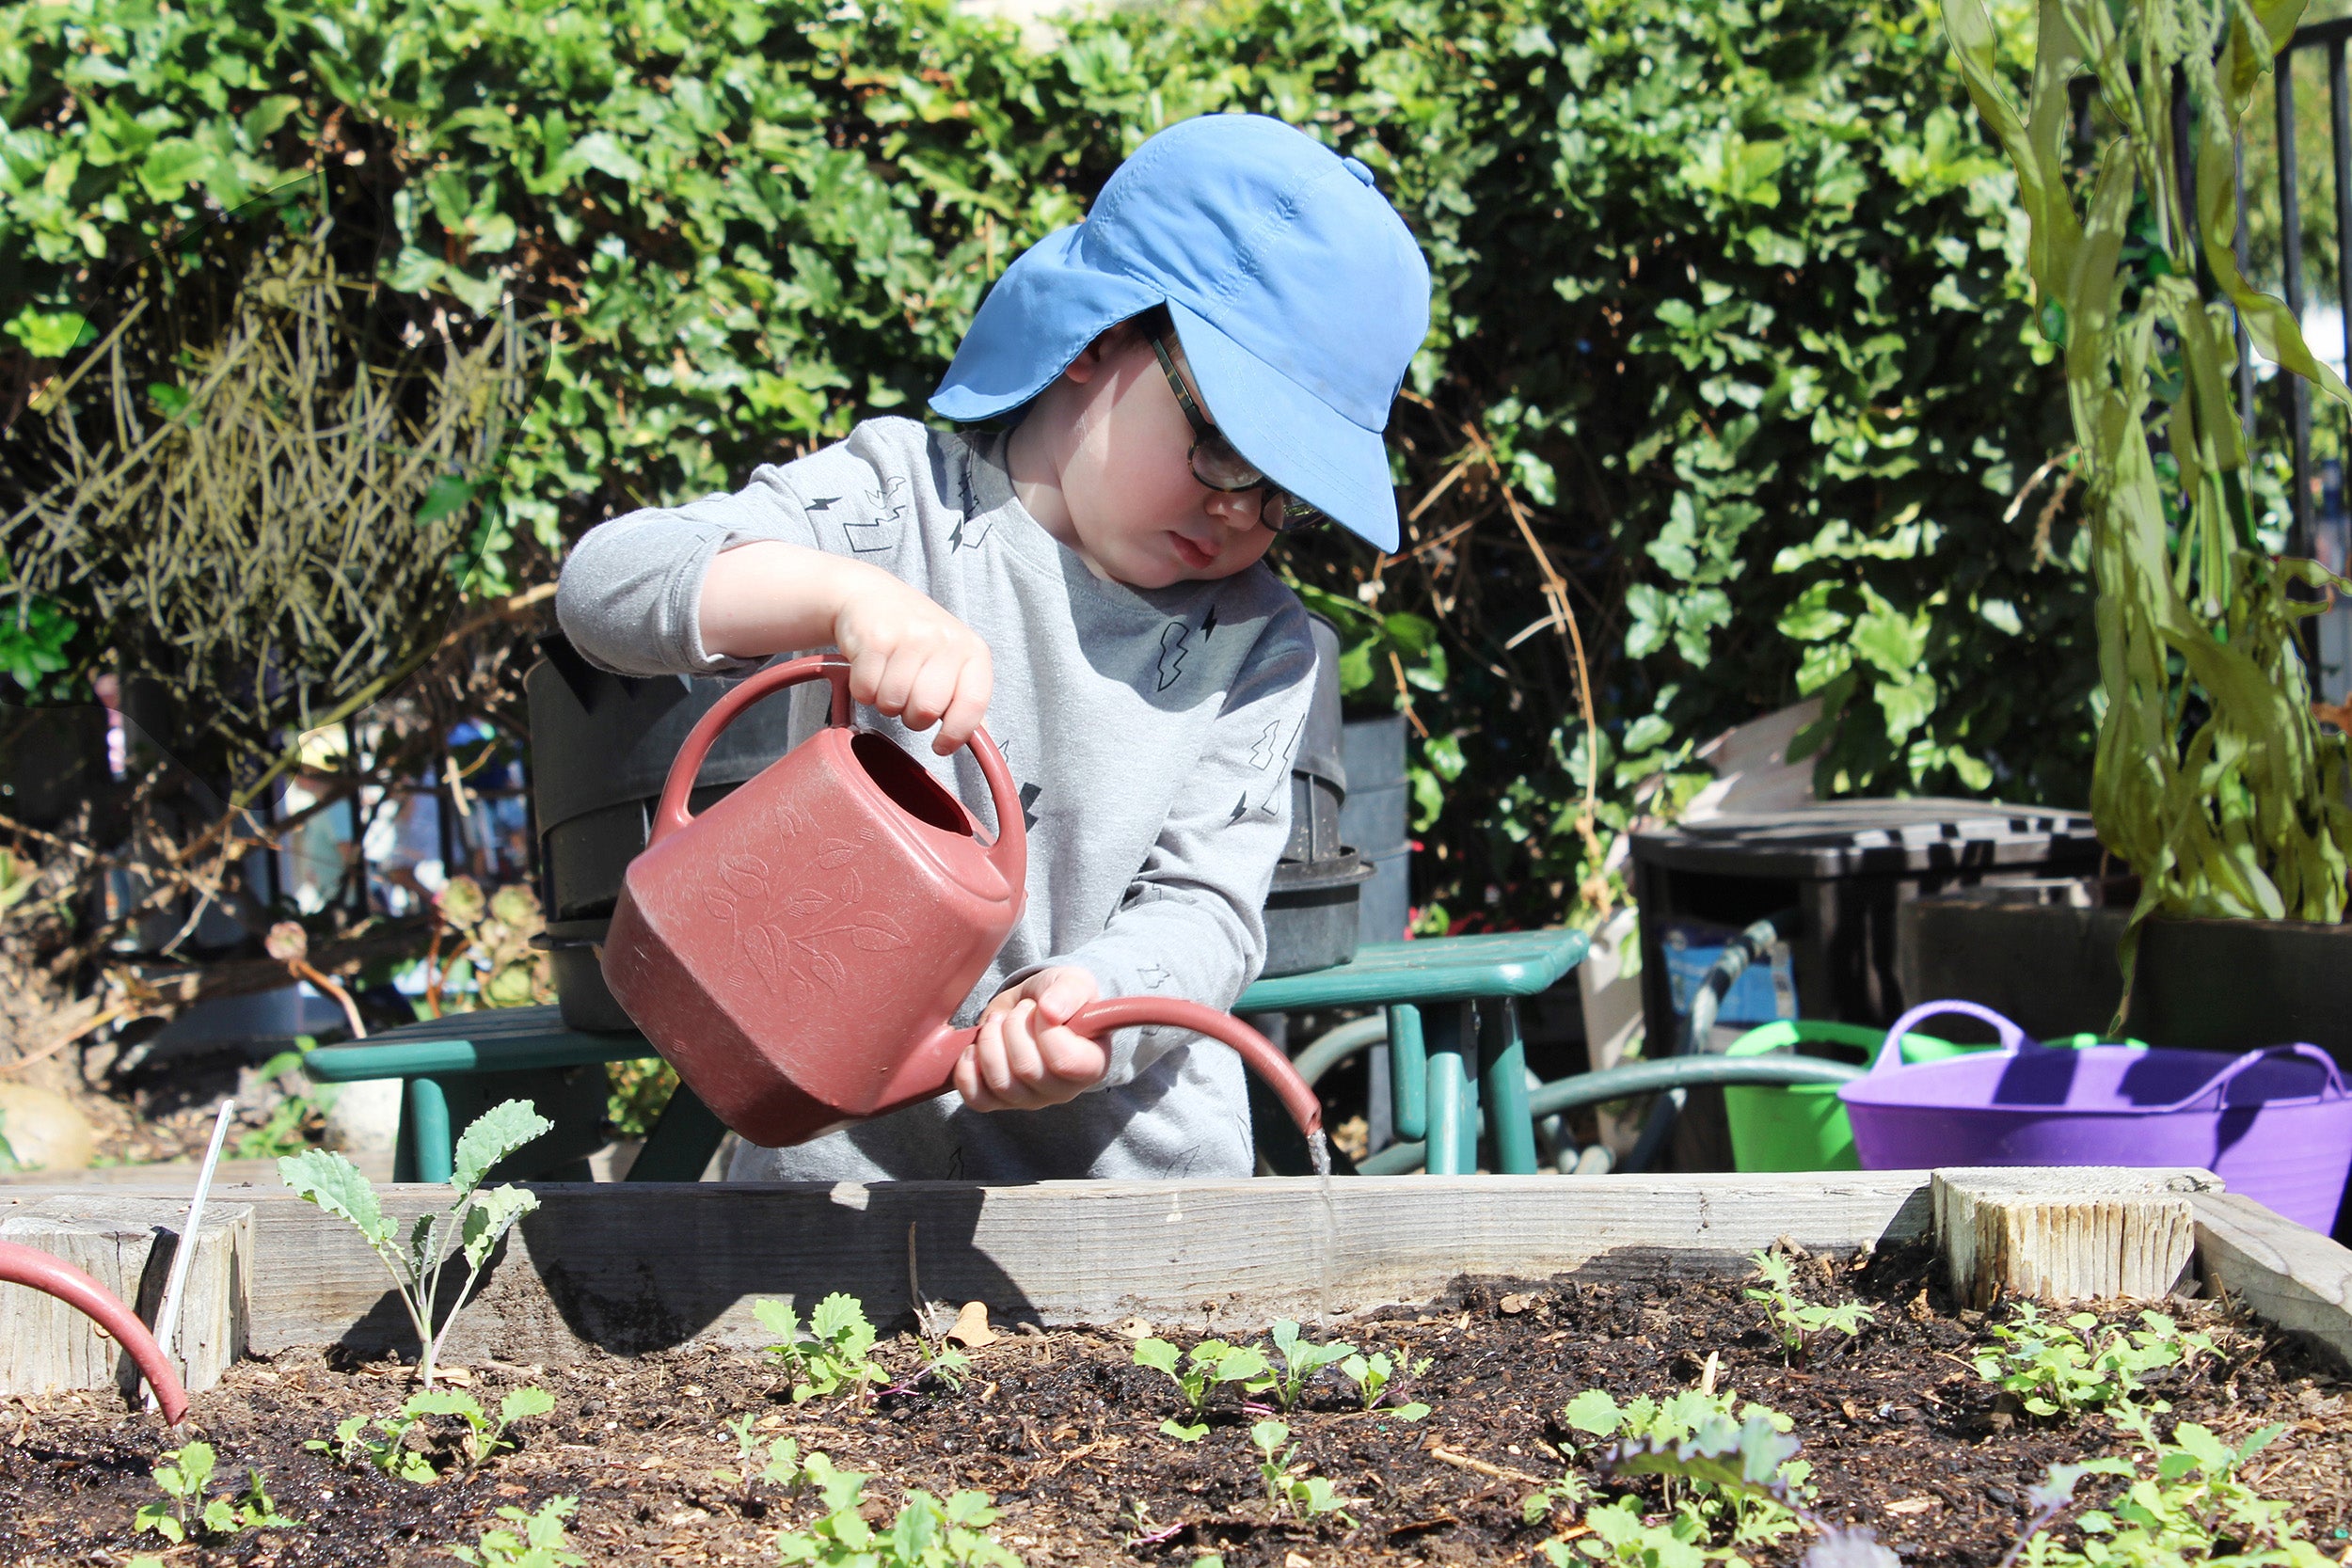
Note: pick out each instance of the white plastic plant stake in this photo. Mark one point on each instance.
(184, 1256)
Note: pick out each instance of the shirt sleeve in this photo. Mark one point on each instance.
(1192, 923)
(631, 590)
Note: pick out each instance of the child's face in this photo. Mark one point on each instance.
(1117, 443)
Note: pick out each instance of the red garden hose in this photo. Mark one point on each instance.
(25, 1265)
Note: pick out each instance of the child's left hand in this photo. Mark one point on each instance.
(1026, 1057)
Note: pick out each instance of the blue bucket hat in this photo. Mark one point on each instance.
(1296, 291)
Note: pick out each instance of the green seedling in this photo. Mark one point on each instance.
(833, 1355)
(1798, 1321)
(541, 1544)
(1302, 1359)
(2064, 1369)
(2184, 1503)
(484, 1436)
(1372, 1374)
(1307, 1497)
(1212, 1362)
(1621, 1538)
(386, 1449)
(184, 1473)
(474, 1223)
(780, 1466)
(927, 1533)
(1731, 1466)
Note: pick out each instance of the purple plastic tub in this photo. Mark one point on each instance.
(2274, 1124)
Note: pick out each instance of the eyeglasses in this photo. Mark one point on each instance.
(1217, 466)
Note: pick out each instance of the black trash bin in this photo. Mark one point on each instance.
(1832, 874)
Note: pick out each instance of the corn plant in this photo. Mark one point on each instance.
(473, 1224)
(2212, 781)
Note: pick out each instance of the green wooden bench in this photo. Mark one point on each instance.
(1456, 1062)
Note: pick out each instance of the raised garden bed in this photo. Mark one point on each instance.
(649, 1347)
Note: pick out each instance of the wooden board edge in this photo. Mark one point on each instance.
(2283, 1273)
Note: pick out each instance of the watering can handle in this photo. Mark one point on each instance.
(1010, 853)
(672, 814)
(1890, 1052)
(2214, 1088)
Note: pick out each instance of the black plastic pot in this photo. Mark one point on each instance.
(1311, 910)
(1374, 818)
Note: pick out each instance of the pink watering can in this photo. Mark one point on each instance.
(23, 1265)
(797, 950)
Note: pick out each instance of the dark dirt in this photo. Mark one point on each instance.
(1063, 1430)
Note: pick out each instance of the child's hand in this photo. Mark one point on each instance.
(911, 660)
(1024, 1057)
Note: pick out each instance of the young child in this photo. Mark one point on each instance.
(1207, 360)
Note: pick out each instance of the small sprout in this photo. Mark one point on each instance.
(475, 1224)
(928, 1532)
(1212, 1362)
(1372, 1375)
(1302, 1359)
(387, 1449)
(541, 1543)
(182, 1474)
(1797, 1321)
(1183, 1434)
(2063, 1368)
(833, 1355)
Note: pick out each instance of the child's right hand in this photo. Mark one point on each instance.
(912, 660)
(908, 657)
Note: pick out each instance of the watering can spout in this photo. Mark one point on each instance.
(23, 1265)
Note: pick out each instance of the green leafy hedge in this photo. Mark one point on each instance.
(1728, 319)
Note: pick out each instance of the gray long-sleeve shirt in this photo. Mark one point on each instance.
(1150, 733)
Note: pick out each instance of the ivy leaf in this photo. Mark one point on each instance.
(51, 334)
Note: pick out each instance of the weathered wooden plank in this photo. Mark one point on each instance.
(126, 1244)
(2084, 1233)
(2291, 1275)
(635, 1268)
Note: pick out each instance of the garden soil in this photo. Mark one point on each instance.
(1062, 1429)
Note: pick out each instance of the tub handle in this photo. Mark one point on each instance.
(1890, 1052)
(2214, 1088)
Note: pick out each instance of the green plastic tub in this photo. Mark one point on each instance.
(1803, 1126)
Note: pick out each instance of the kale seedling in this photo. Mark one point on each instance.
(387, 1449)
(927, 1533)
(2185, 1504)
(1795, 1320)
(1736, 1461)
(475, 1222)
(2062, 1369)
(1212, 1362)
(541, 1544)
(182, 1474)
(1372, 1374)
(1307, 1497)
(1302, 1359)
(1621, 1538)
(834, 1354)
